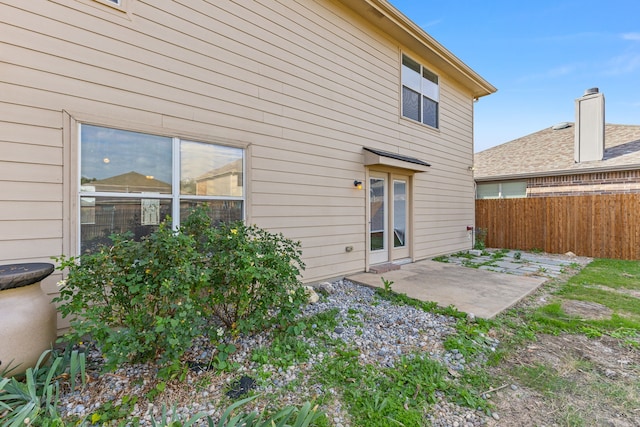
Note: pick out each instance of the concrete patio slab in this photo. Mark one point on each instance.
(483, 293)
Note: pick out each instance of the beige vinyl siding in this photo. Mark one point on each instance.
(442, 195)
(30, 182)
(306, 84)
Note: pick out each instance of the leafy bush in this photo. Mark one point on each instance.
(34, 400)
(138, 300)
(147, 300)
(253, 273)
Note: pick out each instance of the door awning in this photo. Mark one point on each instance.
(385, 158)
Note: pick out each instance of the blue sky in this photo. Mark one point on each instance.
(541, 56)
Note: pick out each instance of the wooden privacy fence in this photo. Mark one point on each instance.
(599, 226)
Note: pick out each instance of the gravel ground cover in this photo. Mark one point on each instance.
(282, 373)
(568, 355)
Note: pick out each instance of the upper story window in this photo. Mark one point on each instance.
(131, 181)
(420, 93)
(116, 4)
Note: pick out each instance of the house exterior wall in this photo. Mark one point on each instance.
(615, 182)
(610, 182)
(303, 86)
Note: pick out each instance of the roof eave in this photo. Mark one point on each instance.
(389, 19)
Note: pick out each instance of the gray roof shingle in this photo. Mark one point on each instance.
(550, 152)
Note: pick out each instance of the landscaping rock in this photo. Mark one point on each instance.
(312, 296)
(325, 288)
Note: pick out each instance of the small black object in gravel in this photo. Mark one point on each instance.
(338, 330)
(241, 387)
(199, 367)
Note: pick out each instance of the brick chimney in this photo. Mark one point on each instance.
(589, 131)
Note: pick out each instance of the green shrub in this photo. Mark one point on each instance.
(145, 301)
(137, 300)
(254, 274)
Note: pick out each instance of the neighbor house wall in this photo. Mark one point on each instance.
(303, 85)
(616, 182)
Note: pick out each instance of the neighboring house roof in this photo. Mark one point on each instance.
(551, 152)
(387, 18)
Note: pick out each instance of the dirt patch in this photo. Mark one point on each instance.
(570, 380)
(631, 292)
(586, 309)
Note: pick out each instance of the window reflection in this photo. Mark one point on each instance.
(399, 213)
(136, 171)
(115, 160)
(376, 200)
(210, 170)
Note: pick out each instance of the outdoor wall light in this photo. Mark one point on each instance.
(357, 184)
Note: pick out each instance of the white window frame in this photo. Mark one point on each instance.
(424, 86)
(175, 195)
(115, 4)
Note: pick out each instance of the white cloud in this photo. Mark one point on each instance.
(623, 64)
(561, 38)
(561, 71)
(552, 73)
(631, 36)
(432, 23)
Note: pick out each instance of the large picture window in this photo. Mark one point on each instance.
(420, 93)
(131, 181)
